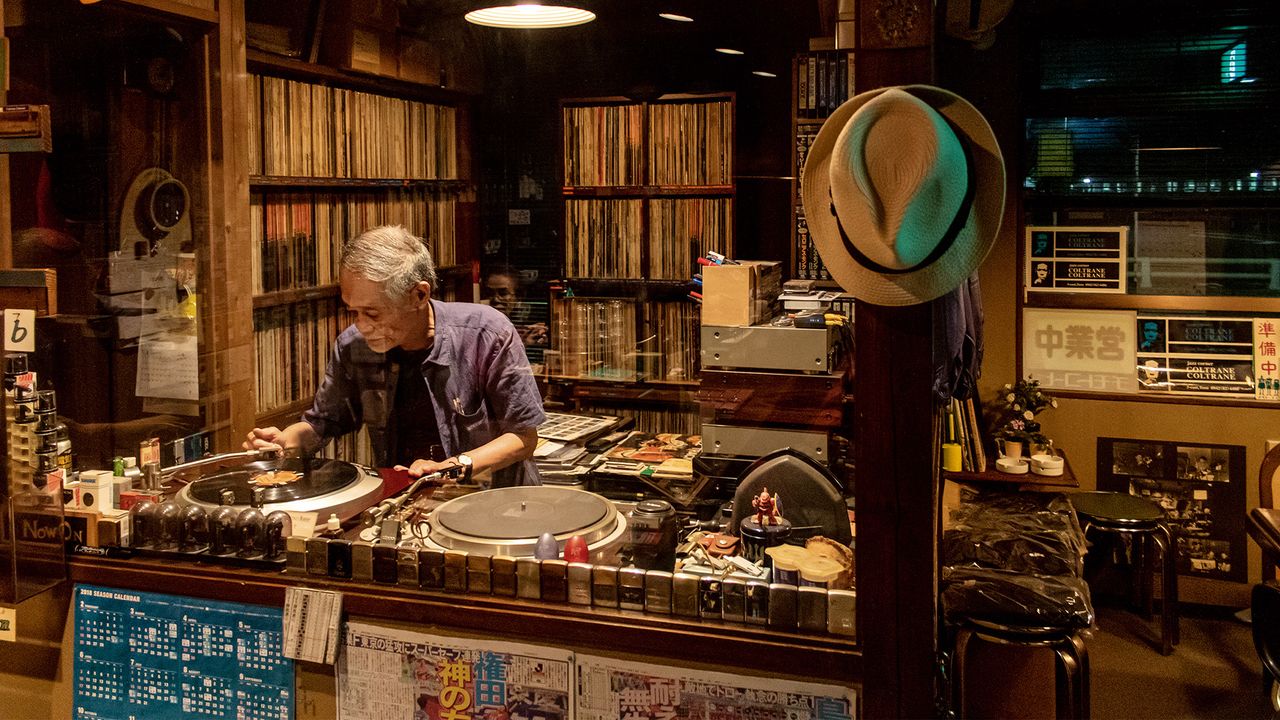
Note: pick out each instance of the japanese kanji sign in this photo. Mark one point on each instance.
(1077, 259)
(1080, 349)
(1266, 360)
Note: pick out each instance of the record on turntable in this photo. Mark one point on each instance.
(320, 486)
(508, 521)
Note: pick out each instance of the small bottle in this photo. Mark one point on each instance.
(332, 527)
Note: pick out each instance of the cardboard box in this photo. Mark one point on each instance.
(419, 60)
(364, 48)
(742, 294)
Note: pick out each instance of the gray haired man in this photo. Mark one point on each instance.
(437, 384)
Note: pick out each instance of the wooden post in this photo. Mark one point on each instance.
(227, 309)
(897, 481)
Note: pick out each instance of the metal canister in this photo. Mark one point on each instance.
(652, 528)
(756, 537)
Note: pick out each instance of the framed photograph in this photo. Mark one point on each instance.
(1201, 489)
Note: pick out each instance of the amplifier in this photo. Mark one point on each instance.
(757, 441)
(766, 347)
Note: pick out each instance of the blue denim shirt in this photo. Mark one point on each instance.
(480, 384)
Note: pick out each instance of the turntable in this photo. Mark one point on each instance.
(320, 486)
(508, 521)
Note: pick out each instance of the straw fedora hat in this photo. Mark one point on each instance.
(904, 193)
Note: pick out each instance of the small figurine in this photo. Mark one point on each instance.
(766, 508)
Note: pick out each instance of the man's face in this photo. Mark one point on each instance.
(501, 291)
(1202, 464)
(1042, 271)
(384, 322)
(1150, 331)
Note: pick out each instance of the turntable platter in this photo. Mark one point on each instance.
(326, 476)
(327, 486)
(509, 520)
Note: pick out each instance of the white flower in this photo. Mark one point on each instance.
(1009, 397)
(1028, 415)
(1007, 386)
(1016, 407)
(1053, 403)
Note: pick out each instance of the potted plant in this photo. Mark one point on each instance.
(1019, 429)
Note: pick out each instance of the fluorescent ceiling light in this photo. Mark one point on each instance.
(764, 73)
(675, 17)
(730, 51)
(530, 16)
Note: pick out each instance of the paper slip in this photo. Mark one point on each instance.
(312, 619)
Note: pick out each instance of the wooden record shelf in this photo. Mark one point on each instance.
(646, 191)
(267, 63)
(288, 297)
(336, 183)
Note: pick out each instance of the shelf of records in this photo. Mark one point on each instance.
(297, 236)
(307, 130)
(656, 238)
(292, 343)
(664, 143)
(623, 340)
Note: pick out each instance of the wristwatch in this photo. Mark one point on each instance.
(465, 462)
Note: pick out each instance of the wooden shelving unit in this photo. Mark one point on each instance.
(625, 169)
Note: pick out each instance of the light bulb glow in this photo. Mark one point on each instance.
(530, 16)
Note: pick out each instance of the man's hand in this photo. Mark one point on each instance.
(420, 467)
(269, 438)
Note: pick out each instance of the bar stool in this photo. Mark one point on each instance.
(1071, 661)
(1125, 514)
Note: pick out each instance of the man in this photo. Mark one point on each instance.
(437, 384)
(501, 291)
(1151, 340)
(1042, 275)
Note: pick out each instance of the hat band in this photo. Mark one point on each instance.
(944, 243)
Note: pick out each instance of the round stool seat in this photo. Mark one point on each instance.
(1026, 633)
(1118, 509)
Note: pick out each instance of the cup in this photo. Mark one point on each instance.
(1009, 448)
(952, 458)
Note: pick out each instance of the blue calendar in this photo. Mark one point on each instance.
(146, 655)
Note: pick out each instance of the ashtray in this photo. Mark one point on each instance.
(1049, 465)
(1012, 466)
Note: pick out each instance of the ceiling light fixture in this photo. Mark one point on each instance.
(730, 51)
(675, 17)
(764, 73)
(530, 16)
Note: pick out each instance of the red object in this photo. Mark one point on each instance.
(575, 550)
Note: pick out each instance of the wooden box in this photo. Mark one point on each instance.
(419, 61)
(30, 289)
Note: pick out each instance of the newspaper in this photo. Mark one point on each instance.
(610, 689)
(386, 673)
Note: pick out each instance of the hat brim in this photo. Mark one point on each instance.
(970, 247)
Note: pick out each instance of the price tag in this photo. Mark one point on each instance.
(20, 330)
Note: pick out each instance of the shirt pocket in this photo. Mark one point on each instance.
(471, 420)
